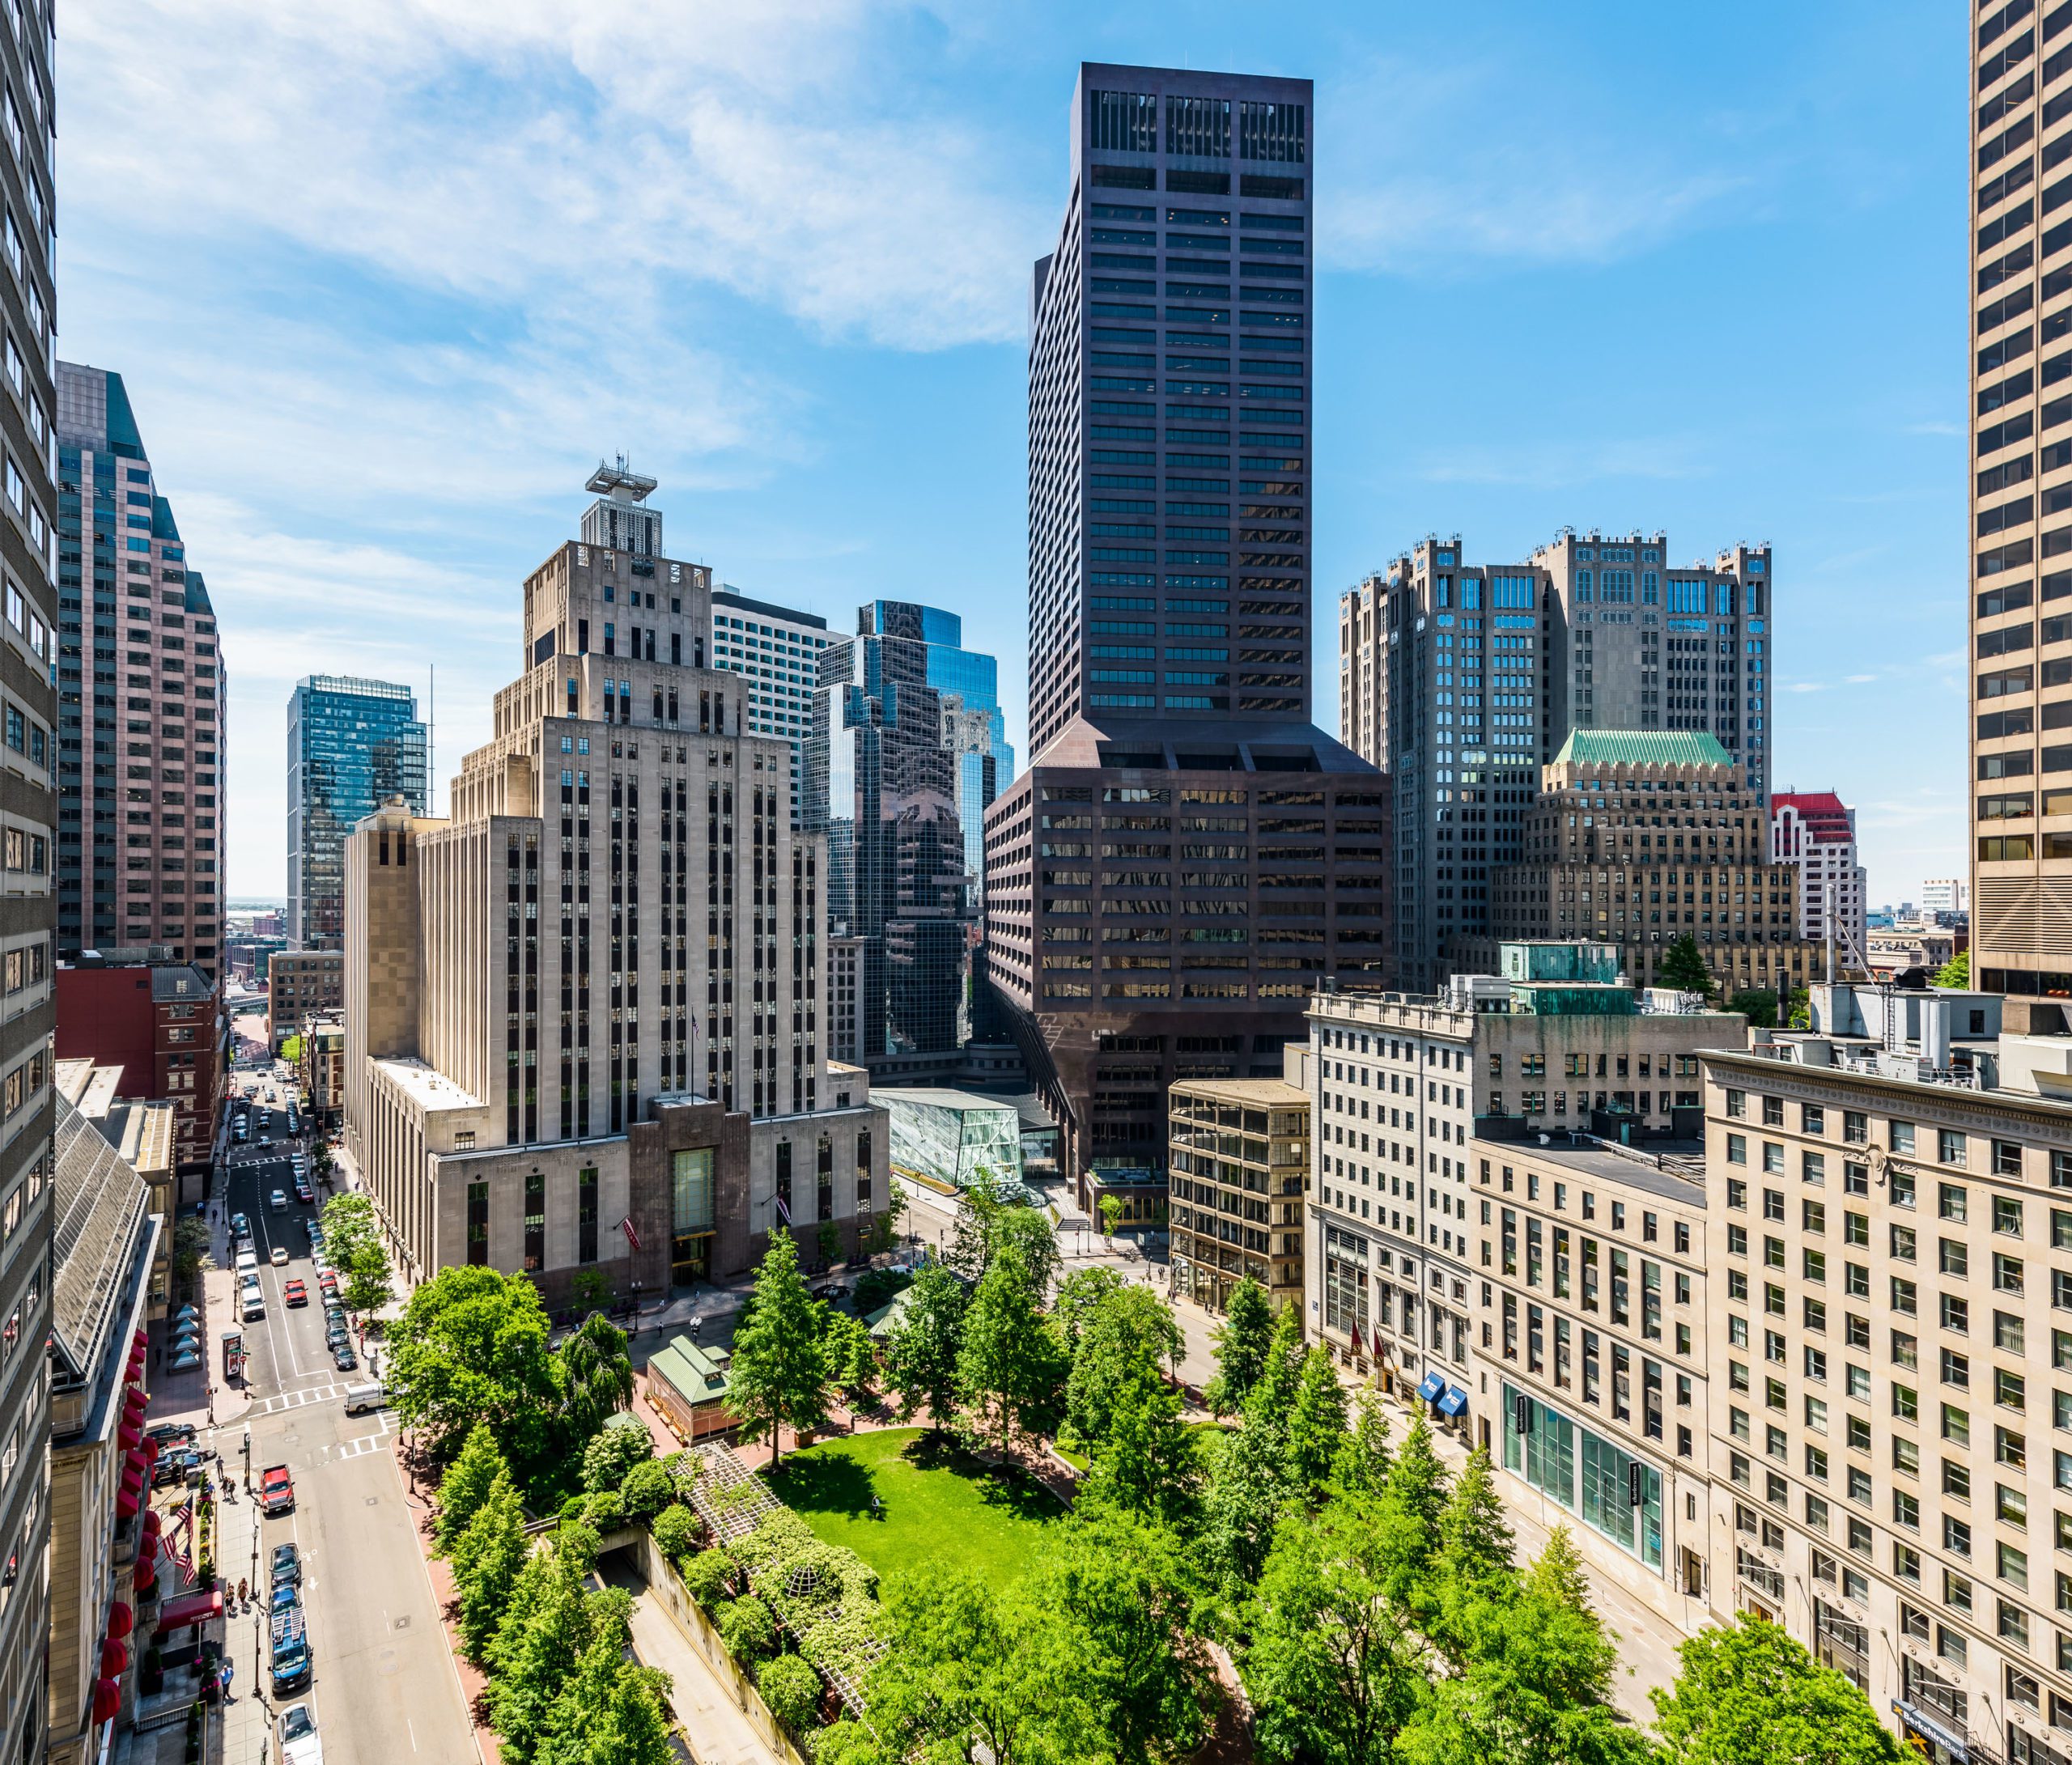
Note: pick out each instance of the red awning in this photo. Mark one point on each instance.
(107, 1700)
(114, 1657)
(121, 1619)
(126, 1505)
(142, 1339)
(194, 1609)
(146, 1574)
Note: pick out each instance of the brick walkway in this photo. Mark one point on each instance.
(473, 1683)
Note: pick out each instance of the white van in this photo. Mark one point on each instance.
(248, 1263)
(255, 1305)
(360, 1398)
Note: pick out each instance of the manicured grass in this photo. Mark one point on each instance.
(939, 1504)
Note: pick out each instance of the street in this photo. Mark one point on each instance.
(385, 1688)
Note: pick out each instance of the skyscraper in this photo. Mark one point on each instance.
(28, 805)
(1168, 584)
(902, 757)
(1815, 831)
(141, 783)
(352, 744)
(2021, 810)
(1463, 679)
(777, 651)
(582, 1011)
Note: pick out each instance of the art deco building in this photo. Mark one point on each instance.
(353, 744)
(1814, 831)
(1158, 902)
(2020, 622)
(583, 1012)
(141, 785)
(1639, 838)
(1461, 680)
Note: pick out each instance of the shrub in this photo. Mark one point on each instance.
(647, 1491)
(708, 1578)
(615, 1449)
(606, 1511)
(675, 1529)
(846, 1742)
(791, 1689)
(571, 1508)
(747, 1628)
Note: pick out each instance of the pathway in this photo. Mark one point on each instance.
(714, 1725)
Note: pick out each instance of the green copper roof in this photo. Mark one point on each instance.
(1642, 748)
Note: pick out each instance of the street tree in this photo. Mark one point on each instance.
(349, 1220)
(366, 1288)
(827, 1240)
(466, 1485)
(592, 1290)
(1475, 1539)
(1316, 1423)
(1111, 1216)
(595, 1374)
(1749, 1694)
(922, 1350)
(1241, 1506)
(471, 1346)
(608, 1711)
(191, 1239)
(486, 1561)
(1132, 1331)
(779, 1375)
(1079, 1293)
(1363, 1464)
(1956, 972)
(537, 1660)
(1242, 1344)
(1147, 1464)
(1013, 1365)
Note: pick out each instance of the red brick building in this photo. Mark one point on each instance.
(166, 1028)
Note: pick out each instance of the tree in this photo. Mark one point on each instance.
(1243, 1505)
(608, 1712)
(1147, 1464)
(592, 1290)
(778, 1377)
(466, 1485)
(535, 1652)
(1131, 1330)
(1241, 1347)
(791, 1689)
(487, 1559)
(1418, 1479)
(471, 1346)
(1012, 1363)
(612, 1452)
(827, 1238)
(1126, 1599)
(1270, 1404)
(367, 1284)
(190, 1246)
(1333, 1673)
(1956, 972)
(1748, 1692)
(1111, 1216)
(1079, 1294)
(675, 1529)
(647, 1490)
(349, 1220)
(851, 1355)
(1364, 1463)
(968, 1664)
(1476, 1537)
(1684, 970)
(1316, 1424)
(595, 1374)
(848, 1742)
(1022, 1244)
(1758, 1004)
(922, 1350)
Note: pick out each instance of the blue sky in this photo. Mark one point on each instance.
(386, 280)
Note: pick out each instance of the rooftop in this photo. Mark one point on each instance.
(1274, 1093)
(941, 1097)
(1672, 1169)
(98, 1206)
(427, 1086)
(1642, 748)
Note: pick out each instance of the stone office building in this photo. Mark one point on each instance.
(583, 1014)
(1239, 1170)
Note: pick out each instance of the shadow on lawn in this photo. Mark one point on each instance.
(999, 1486)
(831, 1482)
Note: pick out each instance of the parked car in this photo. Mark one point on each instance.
(343, 1358)
(287, 1565)
(302, 1192)
(276, 1489)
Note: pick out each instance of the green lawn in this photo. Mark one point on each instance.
(938, 1504)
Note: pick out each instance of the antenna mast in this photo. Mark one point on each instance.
(431, 749)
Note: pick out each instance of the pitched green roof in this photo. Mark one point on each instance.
(1642, 748)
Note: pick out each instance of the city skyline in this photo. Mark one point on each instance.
(385, 437)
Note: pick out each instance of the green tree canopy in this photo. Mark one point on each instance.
(1316, 1423)
(466, 1485)
(1750, 1694)
(1147, 1464)
(852, 1355)
(921, 1354)
(1131, 1330)
(487, 1559)
(470, 1346)
(1079, 1294)
(595, 1374)
(1364, 1463)
(1683, 969)
(1013, 1365)
(1241, 1342)
(779, 1375)
(367, 1287)
(612, 1452)
(1956, 972)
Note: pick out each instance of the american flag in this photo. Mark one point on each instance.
(179, 1541)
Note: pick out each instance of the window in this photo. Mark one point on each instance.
(1950, 1197)
(536, 1222)
(1950, 1146)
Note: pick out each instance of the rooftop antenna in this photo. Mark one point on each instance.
(431, 748)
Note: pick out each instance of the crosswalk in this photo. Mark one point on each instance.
(366, 1443)
(295, 1400)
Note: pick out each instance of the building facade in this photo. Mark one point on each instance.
(165, 1030)
(1601, 861)
(36, 715)
(141, 785)
(2021, 848)
(1404, 1083)
(352, 744)
(1888, 1302)
(1945, 895)
(1169, 609)
(1591, 1375)
(299, 982)
(1461, 680)
(583, 1012)
(1238, 1167)
(1815, 831)
(776, 650)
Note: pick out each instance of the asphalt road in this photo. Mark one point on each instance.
(384, 1689)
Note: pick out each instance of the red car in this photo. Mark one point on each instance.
(296, 1293)
(276, 1489)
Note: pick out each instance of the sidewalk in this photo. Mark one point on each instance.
(247, 1721)
(713, 1725)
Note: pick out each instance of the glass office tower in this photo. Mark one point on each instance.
(352, 744)
(906, 748)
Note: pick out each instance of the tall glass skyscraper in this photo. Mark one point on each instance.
(352, 744)
(142, 679)
(1169, 625)
(906, 748)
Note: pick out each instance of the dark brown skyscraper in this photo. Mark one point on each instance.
(1158, 904)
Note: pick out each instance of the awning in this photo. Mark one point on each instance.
(1433, 1385)
(1454, 1402)
(194, 1609)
